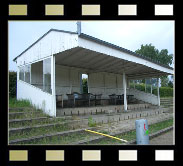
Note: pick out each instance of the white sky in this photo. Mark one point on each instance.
(127, 34)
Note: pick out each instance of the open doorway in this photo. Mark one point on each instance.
(84, 83)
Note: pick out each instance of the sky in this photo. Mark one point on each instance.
(127, 34)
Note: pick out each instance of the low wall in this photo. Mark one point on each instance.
(146, 97)
(36, 96)
(99, 109)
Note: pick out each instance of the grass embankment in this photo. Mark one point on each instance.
(13, 102)
(132, 134)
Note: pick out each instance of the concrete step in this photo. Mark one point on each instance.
(20, 115)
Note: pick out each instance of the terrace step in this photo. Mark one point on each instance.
(43, 136)
(21, 109)
(13, 115)
(24, 140)
(28, 119)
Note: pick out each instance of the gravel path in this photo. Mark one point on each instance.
(164, 139)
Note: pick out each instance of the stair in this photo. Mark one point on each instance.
(166, 102)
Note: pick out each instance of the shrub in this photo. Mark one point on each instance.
(91, 122)
(12, 83)
(164, 91)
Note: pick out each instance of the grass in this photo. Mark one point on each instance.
(13, 102)
(61, 140)
(132, 134)
(74, 137)
(38, 132)
(36, 122)
(91, 122)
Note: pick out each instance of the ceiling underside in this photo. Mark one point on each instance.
(96, 62)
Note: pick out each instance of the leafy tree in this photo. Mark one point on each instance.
(85, 85)
(12, 83)
(170, 84)
(164, 81)
(154, 54)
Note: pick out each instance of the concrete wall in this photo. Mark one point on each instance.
(36, 96)
(54, 42)
(67, 80)
(106, 84)
(147, 97)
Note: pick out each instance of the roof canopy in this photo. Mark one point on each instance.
(94, 55)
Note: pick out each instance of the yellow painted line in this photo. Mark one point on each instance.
(106, 135)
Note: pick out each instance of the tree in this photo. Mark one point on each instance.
(12, 83)
(164, 81)
(154, 54)
(170, 84)
(85, 85)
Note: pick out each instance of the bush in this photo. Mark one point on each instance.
(164, 91)
(91, 122)
(12, 83)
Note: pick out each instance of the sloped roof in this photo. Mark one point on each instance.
(88, 37)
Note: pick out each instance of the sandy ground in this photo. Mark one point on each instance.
(164, 139)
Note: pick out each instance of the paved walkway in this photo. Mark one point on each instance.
(163, 139)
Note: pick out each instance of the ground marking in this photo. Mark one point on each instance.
(106, 135)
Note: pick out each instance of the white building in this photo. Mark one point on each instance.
(53, 65)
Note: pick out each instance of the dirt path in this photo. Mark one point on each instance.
(164, 139)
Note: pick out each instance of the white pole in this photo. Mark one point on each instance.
(124, 89)
(158, 91)
(151, 85)
(145, 85)
(88, 84)
(53, 84)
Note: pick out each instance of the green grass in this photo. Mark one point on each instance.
(132, 134)
(36, 122)
(13, 102)
(61, 140)
(28, 114)
(38, 132)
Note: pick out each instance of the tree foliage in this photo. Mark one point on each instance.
(85, 85)
(154, 54)
(161, 57)
(12, 83)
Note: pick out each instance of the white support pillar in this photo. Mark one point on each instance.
(30, 74)
(81, 83)
(158, 95)
(124, 89)
(53, 84)
(88, 83)
(70, 81)
(145, 85)
(151, 85)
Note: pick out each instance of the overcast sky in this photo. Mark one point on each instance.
(127, 34)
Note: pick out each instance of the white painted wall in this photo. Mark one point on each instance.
(67, 80)
(54, 42)
(140, 95)
(36, 96)
(105, 84)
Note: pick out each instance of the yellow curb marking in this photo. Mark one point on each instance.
(106, 135)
